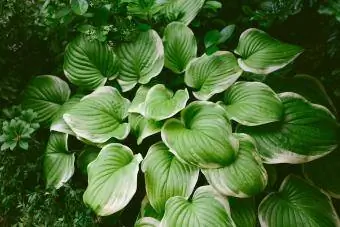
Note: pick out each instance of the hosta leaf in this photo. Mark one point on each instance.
(244, 177)
(89, 63)
(207, 208)
(140, 60)
(58, 123)
(263, 54)
(297, 204)
(202, 137)
(182, 10)
(179, 46)
(324, 173)
(147, 222)
(252, 103)
(212, 74)
(307, 86)
(100, 116)
(45, 95)
(306, 132)
(79, 6)
(243, 211)
(142, 127)
(137, 103)
(58, 162)
(161, 103)
(112, 179)
(166, 176)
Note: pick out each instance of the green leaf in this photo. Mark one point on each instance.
(252, 103)
(226, 33)
(100, 116)
(166, 176)
(161, 103)
(297, 203)
(58, 162)
(147, 222)
(202, 137)
(213, 74)
(211, 38)
(79, 6)
(112, 179)
(142, 127)
(243, 211)
(140, 60)
(262, 54)
(58, 123)
(207, 208)
(306, 132)
(137, 103)
(181, 10)
(89, 63)
(215, 37)
(45, 95)
(214, 5)
(324, 173)
(146, 210)
(89, 154)
(180, 46)
(244, 177)
(307, 86)
(144, 9)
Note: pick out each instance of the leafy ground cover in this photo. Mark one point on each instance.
(145, 113)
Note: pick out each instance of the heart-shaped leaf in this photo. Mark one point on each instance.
(179, 46)
(252, 103)
(112, 179)
(244, 177)
(142, 127)
(243, 211)
(166, 176)
(324, 173)
(306, 132)
(58, 123)
(140, 60)
(161, 103)
(202, 137)
(206, 208)
(100, 116)
(262, 54)
(212, 74)
(45, 95)
(307, 86)
(89, 63)
(58, 161)
(297, 204)
(181, 10)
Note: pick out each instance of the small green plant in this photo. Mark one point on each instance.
(17, 128)
(204, 140)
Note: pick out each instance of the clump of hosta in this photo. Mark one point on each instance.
(216, 126)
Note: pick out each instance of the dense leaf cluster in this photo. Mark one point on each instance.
(160, 120)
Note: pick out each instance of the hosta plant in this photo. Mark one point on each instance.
(203, 145)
